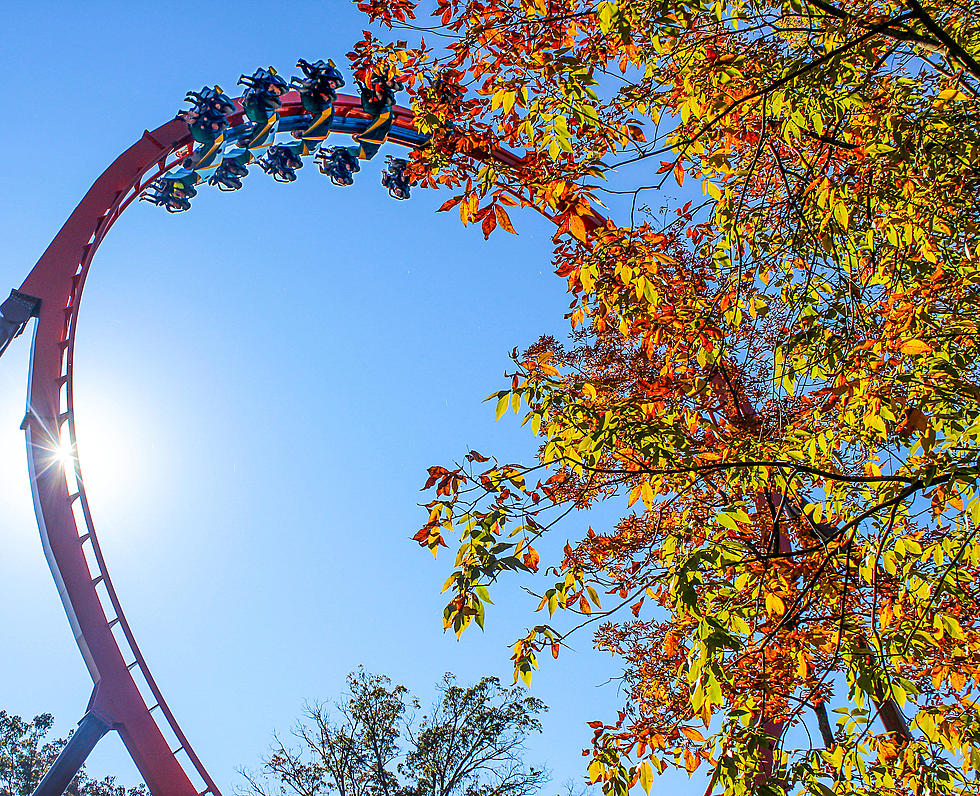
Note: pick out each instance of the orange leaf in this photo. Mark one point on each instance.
(679, 173)
(691, 761)
(531, 559)
(504, 219)
(915, 347)
(577, 227)
(693, 734)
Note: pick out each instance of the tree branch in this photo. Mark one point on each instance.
(955, 50)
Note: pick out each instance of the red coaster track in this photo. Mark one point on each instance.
(126, 697)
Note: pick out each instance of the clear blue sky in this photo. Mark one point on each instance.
(260, 385)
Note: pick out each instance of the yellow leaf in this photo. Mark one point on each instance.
(951, 94)
(502, 403)
(647, 492)
(775, 605)
(646, 776)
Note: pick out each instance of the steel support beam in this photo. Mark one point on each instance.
(72, 757)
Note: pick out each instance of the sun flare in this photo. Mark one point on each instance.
(64, 454)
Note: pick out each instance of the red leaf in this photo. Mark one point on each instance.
(489, 224)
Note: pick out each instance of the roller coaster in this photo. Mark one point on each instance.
(212, 143)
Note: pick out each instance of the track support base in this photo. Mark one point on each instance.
(15, 312)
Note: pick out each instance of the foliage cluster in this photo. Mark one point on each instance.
(777, 375)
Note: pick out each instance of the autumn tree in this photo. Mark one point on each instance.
(27, 752)
(471, 743)
(775, 376)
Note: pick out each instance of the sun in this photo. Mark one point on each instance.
(64, 453)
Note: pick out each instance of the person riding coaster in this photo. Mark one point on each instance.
(282, 161)
(211, 99)
(318, 92)
(172, 193)
(261, 103)
(208, 116)
(339, 163)
(393, 178)
(378, 100)
(228, 176)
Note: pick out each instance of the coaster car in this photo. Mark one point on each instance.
(261, 102)
(378, 100)
(319, 83)
(208, 116)
(378, 93)
(263, 93)
(339, 163)
(174, 194)
(228, 176)
(393, 178)
(318, 92)
(281, 161)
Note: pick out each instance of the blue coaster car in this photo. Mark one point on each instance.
(263, 98)
(339, 163)
(282, 161)
(228, 176)
(208, 115)
(393, 178)
(377, 99)
(207, 119)
(318, 92)
(174, 194)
